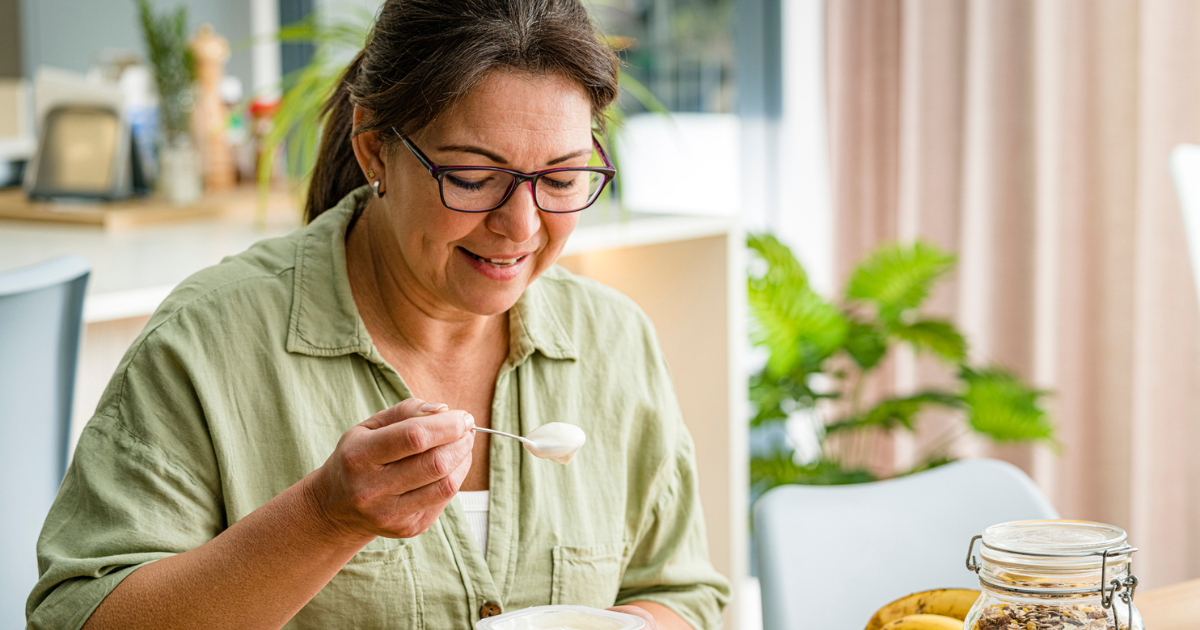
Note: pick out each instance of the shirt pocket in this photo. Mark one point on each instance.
(376, 590)
(587, 576)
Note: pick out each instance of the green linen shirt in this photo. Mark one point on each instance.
(247, 375)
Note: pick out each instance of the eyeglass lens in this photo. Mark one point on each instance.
(560, 191)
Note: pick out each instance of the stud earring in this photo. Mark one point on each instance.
(375, 185)
(370, 174)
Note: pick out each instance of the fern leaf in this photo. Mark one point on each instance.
(782, 265)
(1005, 409)
(866, 344)
(936, 335)
(799, 328)
(897, 278)
(895, 412)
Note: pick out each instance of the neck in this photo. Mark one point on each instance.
(402, 314)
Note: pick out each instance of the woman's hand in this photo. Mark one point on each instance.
(394, 473)
(638, 611)
(656, 615)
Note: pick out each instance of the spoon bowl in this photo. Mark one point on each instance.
(556, 441)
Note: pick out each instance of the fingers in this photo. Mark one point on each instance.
(411, 473)
(412, 513)
(414, 435)
(435, 495)
(408, 408)
(638, 610)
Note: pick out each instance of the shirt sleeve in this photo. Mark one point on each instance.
(142, 485)
(669, 564)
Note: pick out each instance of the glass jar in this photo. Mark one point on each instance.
(1053, 575)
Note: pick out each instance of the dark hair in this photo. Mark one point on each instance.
(423, 55)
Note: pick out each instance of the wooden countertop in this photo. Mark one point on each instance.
(1174, 607)
(128, 213)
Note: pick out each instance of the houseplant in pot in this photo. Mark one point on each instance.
(813, 422)
(170, 57)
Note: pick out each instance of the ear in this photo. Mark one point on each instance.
(367, 149)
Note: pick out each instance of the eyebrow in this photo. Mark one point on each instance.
(466, 148)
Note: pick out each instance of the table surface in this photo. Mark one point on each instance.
(1174, 607)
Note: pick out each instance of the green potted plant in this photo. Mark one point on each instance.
(811, 423)
(170, 57)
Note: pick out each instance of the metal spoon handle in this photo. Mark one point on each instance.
(515, 437)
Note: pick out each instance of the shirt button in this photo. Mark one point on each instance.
(489, 609)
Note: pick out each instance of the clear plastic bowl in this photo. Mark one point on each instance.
(561, 618)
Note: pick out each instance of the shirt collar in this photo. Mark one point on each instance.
(325, 320)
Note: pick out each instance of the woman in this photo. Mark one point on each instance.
(420, 301)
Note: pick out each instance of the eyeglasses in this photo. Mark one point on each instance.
(485, 188)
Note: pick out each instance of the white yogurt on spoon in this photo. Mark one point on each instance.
(555, 441)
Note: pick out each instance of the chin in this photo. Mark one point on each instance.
(491, 302)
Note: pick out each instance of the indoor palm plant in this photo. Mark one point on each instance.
(810, 418)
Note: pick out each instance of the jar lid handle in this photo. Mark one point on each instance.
(972, 563)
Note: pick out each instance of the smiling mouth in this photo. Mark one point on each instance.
(495, 262)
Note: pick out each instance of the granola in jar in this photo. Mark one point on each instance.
(1035, 617)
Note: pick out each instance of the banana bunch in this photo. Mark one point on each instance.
(943, 609)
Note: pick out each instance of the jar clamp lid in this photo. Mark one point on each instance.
(1078, 545)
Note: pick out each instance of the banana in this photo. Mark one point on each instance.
(948, 602)
(924, 622)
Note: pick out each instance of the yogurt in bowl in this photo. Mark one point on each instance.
(561, 618)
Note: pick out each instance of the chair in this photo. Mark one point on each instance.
(1185, 168)
(41, 317)
(830, 556)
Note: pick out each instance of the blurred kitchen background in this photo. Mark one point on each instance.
(968, 220)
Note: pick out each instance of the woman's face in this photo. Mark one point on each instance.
(481, 263)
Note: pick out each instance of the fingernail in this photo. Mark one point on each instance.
(469, 419)
(433, 407)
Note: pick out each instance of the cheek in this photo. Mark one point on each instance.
(559, 227)
(429, 230)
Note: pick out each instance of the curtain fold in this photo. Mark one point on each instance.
(1031, 138)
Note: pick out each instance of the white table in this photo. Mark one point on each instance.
(686, 272)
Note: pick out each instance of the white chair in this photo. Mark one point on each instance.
(1185, 168)
(830, 556)
(41, 318)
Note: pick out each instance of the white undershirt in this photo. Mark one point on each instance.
(475, 504)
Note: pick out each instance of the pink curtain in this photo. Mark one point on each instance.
(1031, 137)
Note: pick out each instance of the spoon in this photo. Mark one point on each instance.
(556, 441)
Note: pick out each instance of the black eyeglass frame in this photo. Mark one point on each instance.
(439, 172)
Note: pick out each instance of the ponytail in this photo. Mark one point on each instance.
(336, 172)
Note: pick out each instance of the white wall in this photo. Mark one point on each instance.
(805, 219)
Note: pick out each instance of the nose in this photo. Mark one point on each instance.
(518, 219)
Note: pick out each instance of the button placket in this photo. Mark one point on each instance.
(489, 609)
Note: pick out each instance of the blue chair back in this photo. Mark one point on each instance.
(41, 321)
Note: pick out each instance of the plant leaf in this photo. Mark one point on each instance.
(866, 344)
(897, 278)
(799, 328)
(893, 413)
(776, 469)
(1005, 409)
(936, 335)
(297, 123)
